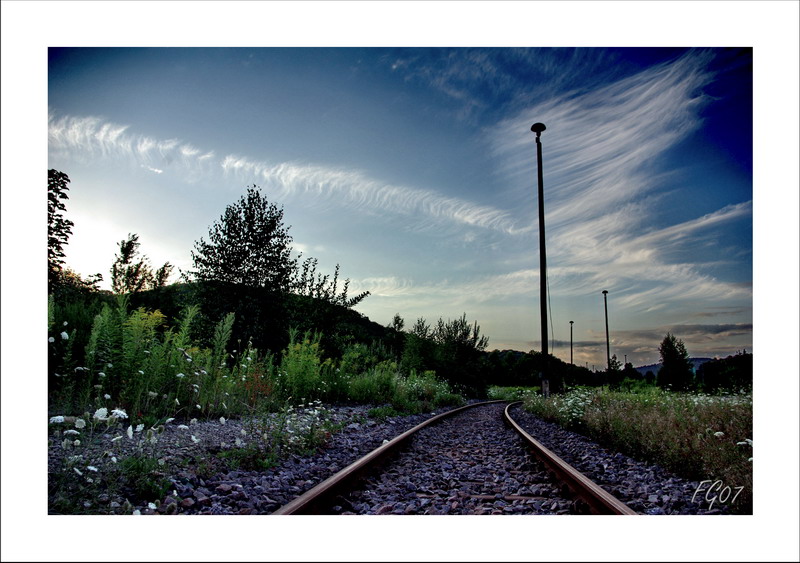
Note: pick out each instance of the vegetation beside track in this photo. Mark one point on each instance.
(697, 436)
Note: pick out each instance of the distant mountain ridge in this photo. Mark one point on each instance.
(696, 363)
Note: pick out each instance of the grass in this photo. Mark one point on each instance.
(149, 368)
(699, 437)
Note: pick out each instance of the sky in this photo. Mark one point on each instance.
(414, 169)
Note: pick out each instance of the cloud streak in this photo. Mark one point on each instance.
(91, 137)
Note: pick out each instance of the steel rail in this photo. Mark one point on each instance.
(599, 500)
(310, 501)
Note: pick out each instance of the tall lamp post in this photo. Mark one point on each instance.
(570, 342)
(608, 346)
(538, 128)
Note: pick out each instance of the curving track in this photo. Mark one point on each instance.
(472, 460)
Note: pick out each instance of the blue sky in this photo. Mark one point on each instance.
(414, 169)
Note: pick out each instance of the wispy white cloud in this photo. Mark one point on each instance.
(317, 185)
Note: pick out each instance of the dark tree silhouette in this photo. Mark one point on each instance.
(676, 369)
(131, 272)
(249, 245)
(58, 228)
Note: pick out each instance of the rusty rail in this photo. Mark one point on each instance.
(599, 500)
(310, 501)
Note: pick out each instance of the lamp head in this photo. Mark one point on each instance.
(538, 128)
(605, 291)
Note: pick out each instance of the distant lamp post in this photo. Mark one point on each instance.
(538, 128)
(570, 342)
(608, 345)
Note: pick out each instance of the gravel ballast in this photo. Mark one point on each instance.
(190, 457)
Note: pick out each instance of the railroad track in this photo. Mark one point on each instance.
(470, 460)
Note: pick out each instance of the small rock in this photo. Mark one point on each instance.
(224, 488)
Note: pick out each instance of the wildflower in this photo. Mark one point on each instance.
(80, 423)
(109, 365)
(64, 336)
(71, 432)
(76, 443)
(177, 402)
(243, 432)
(101, 414)
(183, 427)
(152, 394)
(199, 407)
(195, 440)
(747, 442)
(719, 434)
(114, 458)
(65, 323)
(106, 396)
(168, 420)
(78, 471)
(114, 439)
(139, 427)
(141, 372)
(57, 420)
(239, 442)
(119, 413)
(91, 468)
(101, 374)
(51, 340)
(146, 351)
(222, 420)
(136, 513)
(130, 432)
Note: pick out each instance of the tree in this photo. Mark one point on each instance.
(249, 245)
(58, 228)
(131, 272)
(306, 281)
(61, 280)
(676, 369)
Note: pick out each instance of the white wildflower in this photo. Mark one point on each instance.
(139, 427)
(719, 434)
(115, 438)
(51, 340)
(168, 420)
(130, 432)
(183, 427)
(239, 442)
(101, 414)
(64, 336)
(119, 413)
(141, 372)
(222, 420)
(78, 471)
(101, 374)
(114, 459)
(193, 421)
(106, 396)
(199, 407)
(177, 402)
(57, 420)
(152, 394)
(195, 440)
(71, 432)
(80, 423)
(91, 468)
(109, 365)
(65, 323)
(146, 351)
(76, 443)
(136, 512)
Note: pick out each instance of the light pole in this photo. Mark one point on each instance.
(570, 342)
(538, 128)
(608, 346)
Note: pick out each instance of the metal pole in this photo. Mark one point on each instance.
(570, 342)
(608, 346)
(538, 128)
